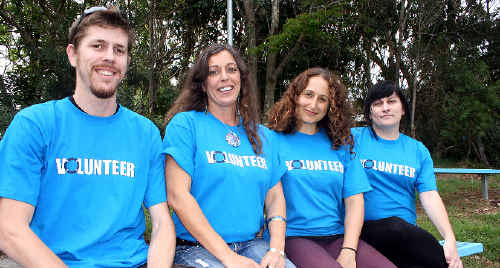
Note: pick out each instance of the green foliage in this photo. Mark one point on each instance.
(471, 108)
(449, 51)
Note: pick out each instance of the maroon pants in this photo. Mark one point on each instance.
(306, 252)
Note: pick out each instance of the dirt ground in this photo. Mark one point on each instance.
(466, 199)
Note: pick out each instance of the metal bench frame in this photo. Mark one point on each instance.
(483, 172)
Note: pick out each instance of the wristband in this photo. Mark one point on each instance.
(282, 253)
(355, 251)
(276, 218)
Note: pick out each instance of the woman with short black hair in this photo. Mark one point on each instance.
(397, 166)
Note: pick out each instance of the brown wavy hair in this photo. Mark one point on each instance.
(337, 122)
(192, 96)
(103, 18)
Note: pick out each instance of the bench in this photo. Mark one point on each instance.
(470, 248)
(467, 248)
(483, 172)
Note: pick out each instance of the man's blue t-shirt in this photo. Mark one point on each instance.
(229, 183)
(87, 177)
(395, 168)
(316, 182)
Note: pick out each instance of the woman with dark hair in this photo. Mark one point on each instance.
(324, 182)
(221, 173)
(397, 166)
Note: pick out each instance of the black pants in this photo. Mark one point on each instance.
(404, 244)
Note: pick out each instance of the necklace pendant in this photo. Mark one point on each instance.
(232, 139)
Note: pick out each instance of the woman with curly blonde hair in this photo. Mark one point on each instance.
(324, 182)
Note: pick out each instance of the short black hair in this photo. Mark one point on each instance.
(383, 89)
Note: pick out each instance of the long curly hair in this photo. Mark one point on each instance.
(282, 116)
(192, 96)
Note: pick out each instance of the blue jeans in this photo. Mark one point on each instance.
(199, 257)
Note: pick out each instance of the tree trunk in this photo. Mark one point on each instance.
(399, 46)
(413, 107)
(252, 44)
(151, 60)
(271, 75)
(479, 149)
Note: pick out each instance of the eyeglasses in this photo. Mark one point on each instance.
(86, 12)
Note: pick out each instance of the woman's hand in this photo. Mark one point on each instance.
(273, 259)
(236, 261)
(347, 258)
(451, 254)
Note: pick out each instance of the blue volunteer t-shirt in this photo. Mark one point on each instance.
(316, 182)
(229, 183)
(395, 168)
(87, 178)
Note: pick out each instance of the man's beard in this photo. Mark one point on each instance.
(102, 94)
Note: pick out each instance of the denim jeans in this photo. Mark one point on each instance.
(199, 257)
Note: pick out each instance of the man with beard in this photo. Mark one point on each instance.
(75, 173)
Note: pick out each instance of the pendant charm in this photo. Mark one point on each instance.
(233, 139)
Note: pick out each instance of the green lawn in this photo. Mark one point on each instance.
(473, 219)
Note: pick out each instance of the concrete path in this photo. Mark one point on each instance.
(8, 263)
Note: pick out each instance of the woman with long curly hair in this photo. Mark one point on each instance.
(221, 172)
(324, 182)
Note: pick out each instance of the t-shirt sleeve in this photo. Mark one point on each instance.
(156, 191)
(278, 167)
(426, 179)
(179, 142)
(22, 154)
(355, 178)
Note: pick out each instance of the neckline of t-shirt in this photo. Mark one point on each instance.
(318, 133)
(83, 114)
(386, 141)
(237, 127)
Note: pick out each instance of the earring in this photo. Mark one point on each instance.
(205, 98)
(238, 106)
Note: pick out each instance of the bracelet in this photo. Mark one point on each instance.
(282, 253)
(276, 218)
(353, 249)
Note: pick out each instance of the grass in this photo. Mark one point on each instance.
(473, 219)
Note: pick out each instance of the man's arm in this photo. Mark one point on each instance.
(17, 239)
(162, 248)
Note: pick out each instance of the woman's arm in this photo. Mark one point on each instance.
(275, 205)
(435, 210)
(162, 247)
(353, 222)
(189, 212)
